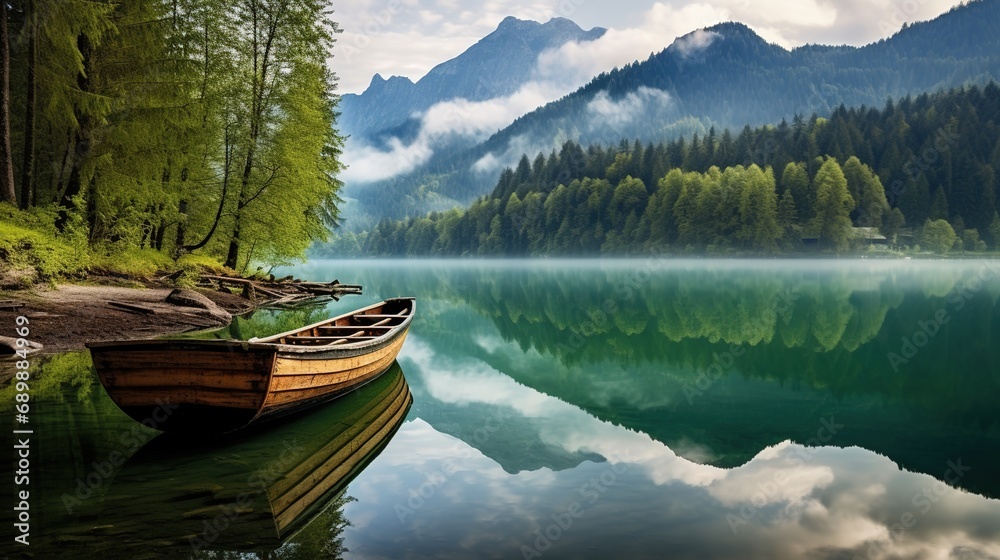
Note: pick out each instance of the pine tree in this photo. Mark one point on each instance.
(832, 222)
(795, 179)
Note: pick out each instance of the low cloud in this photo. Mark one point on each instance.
(694, 43)
(492, 163)
(443, 124)
(367, 164)
(602, 111)
(604, 118)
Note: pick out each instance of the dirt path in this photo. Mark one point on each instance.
(65, 318)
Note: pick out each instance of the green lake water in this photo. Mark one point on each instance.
(577, 409)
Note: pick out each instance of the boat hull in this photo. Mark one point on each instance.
(212, 386)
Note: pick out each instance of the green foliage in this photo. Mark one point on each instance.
(832, 223)
(894, 222)
(938, 236)
(166, 126)
(29, 250)
(995, 230)
(971, 241)
(131, 262)
(759, 227)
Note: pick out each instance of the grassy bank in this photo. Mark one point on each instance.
(33, 251)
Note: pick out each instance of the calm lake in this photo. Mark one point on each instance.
(571, 409)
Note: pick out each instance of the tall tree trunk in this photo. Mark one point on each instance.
(232, 257)
(28, 196)
(7, 192)
(256, 94)
(182, 208)
(82, 146)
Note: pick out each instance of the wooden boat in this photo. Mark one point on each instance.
(250, 493)
(217, 386)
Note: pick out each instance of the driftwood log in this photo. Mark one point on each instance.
(282, 292)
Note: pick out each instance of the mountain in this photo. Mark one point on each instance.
(723, 76)
(496, 66)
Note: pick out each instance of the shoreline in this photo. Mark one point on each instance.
(67, 316)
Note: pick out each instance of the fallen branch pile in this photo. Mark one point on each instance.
(281, 292)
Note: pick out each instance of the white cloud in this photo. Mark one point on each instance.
(694, 43)
(444, 122)
(603, 111)
(516, 147)
(367, 164)
(603, 114)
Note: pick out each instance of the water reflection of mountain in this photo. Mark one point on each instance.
(805, 344)
(498, 432)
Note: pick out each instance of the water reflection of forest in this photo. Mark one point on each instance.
(819, 325)
(806, 343)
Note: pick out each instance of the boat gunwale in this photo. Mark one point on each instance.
(264, 345)
(279, 336)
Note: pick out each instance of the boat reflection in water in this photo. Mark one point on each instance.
(252, 493)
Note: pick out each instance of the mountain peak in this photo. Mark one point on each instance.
(731, 28)
(379, 84)
(496, 66)
(511, 23)
(732, 37)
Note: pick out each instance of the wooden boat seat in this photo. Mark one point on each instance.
(375, 316)
(356, 327)
(326, 339)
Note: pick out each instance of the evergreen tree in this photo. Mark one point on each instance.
(832, 222)
(894, 222)
(788, 218)
(795, 179)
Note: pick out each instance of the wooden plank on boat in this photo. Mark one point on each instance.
(379, 316)
(303, 382)
(279, 398)
(202, 378)
(224, 398)
(290, 365)
(111, 361)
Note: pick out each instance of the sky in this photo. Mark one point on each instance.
(409, 37)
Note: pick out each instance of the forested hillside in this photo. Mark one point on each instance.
(168, 125)
(922, 161)
(724, 76)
